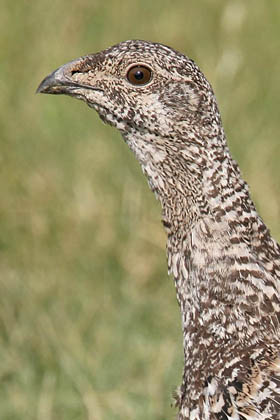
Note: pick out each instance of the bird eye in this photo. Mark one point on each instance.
(139, 75)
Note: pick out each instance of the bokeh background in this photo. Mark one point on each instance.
(89, 324)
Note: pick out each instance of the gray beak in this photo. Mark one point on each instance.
(61, 80)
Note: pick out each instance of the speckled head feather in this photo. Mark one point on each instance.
(225, 264)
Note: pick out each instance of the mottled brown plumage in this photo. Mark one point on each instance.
(225, 264)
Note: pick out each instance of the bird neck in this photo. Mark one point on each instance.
(209, 229)
(214, 233)
(220, 253)
(218, 247)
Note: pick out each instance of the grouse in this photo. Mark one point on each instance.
(225, 264)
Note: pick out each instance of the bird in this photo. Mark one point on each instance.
(223, 259)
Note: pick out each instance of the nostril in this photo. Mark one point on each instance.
(74, 72)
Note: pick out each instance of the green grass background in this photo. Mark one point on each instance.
(89, 324)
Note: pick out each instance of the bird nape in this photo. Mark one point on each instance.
(225, 264)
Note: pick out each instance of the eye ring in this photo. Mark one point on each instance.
(139, 75)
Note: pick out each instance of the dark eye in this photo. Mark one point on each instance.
(139, 75)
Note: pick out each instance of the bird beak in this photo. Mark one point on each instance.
(58, 81)
(51, 84)
(61, 80)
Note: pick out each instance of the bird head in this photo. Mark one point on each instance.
(138, 85)
(157, 97)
